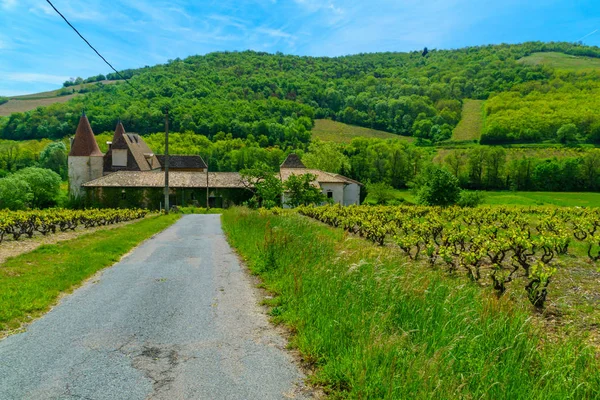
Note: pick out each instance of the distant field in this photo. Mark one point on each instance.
(506, 198)
(32, 101)
(332, 131)
(520, 152)
(471, 123)
(562, 61)
(55, 93)
(25, 105)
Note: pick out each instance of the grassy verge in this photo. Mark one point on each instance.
(376, 325)
(32, 282)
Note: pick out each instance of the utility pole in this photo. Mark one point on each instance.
(166, 160)
(207, 183)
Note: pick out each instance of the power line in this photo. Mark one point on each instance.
(93, 48)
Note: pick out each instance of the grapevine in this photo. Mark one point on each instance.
(26, 223)
(507, 243)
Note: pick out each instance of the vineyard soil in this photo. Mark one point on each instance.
(12, 248)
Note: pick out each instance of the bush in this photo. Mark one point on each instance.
(437, 187)
(15, 193)
(470, 199)
(379, 193)
(44, 184)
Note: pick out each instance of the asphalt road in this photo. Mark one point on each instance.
(176, 319)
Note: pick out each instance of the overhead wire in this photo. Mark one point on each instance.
(93, 48)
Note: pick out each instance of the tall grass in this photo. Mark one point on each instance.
(376, 325)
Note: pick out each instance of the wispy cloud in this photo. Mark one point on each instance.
(8, 4)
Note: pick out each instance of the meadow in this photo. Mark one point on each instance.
(510, 198)
(471, 122)
(372, 323)
(562, 61)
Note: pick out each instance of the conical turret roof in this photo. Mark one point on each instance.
(119, 132)
(84, 144)
(292, 161)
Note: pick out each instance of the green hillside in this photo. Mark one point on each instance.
(275, 98)
(562, 61)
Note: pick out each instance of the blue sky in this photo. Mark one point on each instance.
(38, 51)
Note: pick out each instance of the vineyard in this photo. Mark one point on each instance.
(495, 245)
(27, 223)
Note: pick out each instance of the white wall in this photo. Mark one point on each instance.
(82, 170)
(351, 194)
(336, 188)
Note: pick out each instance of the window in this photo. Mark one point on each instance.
(123, 195)
(330, 194)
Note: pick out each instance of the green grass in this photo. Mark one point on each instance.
(332, 131)
(471, 123)
(32, 282)
(508, 198)
(560, 199)
(376, 325)
(562, 61)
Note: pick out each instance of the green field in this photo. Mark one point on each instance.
(332, 131)
(507, 198)
(471, 123)
(562, 61)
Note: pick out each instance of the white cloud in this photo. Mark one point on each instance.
(277, 33)
(8, 4)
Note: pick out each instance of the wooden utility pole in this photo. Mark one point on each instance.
(207, 184)
(167, 160)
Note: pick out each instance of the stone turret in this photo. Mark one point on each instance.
(85, 158)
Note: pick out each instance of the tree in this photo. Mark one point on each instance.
(266, 185)
(326, 156)
(301, 191)
(567, 134)
(54, 157)
(380, 192)
(15, 193)
(44, 184)
(438, 187)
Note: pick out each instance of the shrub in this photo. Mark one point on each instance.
(470, 199)
(438, 187)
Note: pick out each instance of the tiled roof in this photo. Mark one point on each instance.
(183, 162)
(84, 144)
(292, 161)
(144, 157)
(322, 176)
(177, 179)
(193, 179)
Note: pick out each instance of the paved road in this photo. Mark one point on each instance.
(176, 319)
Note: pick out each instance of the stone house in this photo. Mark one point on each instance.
(131, 175)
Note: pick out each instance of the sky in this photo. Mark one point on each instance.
(38, 51)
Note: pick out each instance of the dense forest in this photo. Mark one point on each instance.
(275, 97)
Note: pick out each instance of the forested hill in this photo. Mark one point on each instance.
(274, 98)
